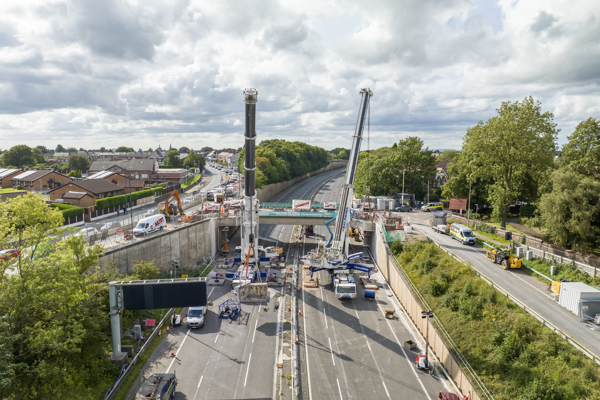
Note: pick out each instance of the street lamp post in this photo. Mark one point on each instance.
(427, 315)
(403, 171)
(130, 201)
(469, 208)
(428, 190)
(476, 211)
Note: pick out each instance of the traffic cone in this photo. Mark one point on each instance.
(299, 312)
(297, 340)
(159, 333)
(172, 353)
(289, 308)
(167, 328)
(468, 395)
(298, 288)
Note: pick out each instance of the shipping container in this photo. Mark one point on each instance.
(581, 299)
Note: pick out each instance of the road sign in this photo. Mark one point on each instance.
(184, 276)
(150, 322)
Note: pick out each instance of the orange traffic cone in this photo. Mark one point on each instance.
(299, 312)
(297, 340)
(289, 308)
(167, 328)
(468, 396)
(159, 333)
(298, 288)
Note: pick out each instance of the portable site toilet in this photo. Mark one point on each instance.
(439, 218)
(581, 299)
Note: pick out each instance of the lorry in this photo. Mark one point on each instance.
(157, 387)
(344, 284)
(301, 205)
(443, 229)
(329, 206)
(148, 225)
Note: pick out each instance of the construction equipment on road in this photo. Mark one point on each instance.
(230, 309)
(168, 208)
(503, 257)
(158, 387)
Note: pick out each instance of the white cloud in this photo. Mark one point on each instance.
(135, 73)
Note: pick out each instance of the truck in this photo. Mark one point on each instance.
(157, 387)
(344, 284)
(443, 229)
(330, 206)
(301, 205)
(229, 190)
(195, 317)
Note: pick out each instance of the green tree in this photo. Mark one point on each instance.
(71, 150)
(43, 149)
(448, 155)
(56, 303)
(457, 185)
(582, 151)
(207, 148)
(102, 149)
(172, 159)
(512, 151)
(343, 154)
(19, 156)
(571, 211)
(194, 158)
(143, 270)
(184, 149)
(79, 162)
(381, 170)
(124, 149)
(60, 149)
(38, 155)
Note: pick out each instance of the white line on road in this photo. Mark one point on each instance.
(255, 325)
(306, 345)
(325, 316)
(199, 383)
(216, 338)
(178, 350)
(322, 293)
(248, 369)
(339, 388)
(198, 388)
(210, 292)
(331, 350)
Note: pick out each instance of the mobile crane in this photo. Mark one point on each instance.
(333, 256)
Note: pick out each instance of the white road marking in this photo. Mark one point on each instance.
(325, 316)
(199, 383)
(198, 388)
(211, 292)
(339, 388)
(331, 350)
(255, 325)
(322, 293)
(248, 369)
(178, 350)
(306, 347)
(216, 338)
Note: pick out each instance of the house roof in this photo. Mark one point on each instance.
(75, 195)
(4, 172)
(95, 186)
(11, 195)
(101, 175)
(135, 183)
(443, 165)
(458, 204)
(30, 176)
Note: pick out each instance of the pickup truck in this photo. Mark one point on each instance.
(443, 229)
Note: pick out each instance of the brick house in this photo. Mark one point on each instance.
(441, 175)
(40, 181)
(79, 199)
(96, 188)
(170, 175)
(136, 168)
(6, 175)
(118, 179)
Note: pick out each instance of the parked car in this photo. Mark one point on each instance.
(109, 225)
(7, 254)
(87, 231)
(403, 208)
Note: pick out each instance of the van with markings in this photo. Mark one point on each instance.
(146, 226)
(462, 233)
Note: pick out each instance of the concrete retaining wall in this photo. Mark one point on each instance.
(191, 244)
(267, 192)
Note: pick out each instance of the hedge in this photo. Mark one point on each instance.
(124, 198)
(67, 209)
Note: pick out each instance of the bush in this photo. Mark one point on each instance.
(544, 389)
(486, 228)
(124, 198)
(67, 209)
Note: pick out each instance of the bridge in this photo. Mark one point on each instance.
(296, 218)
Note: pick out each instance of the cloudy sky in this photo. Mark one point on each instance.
(89, 73)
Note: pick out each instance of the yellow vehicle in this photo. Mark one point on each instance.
(437, 206)
(503, 257)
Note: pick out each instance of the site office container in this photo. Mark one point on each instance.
(581, 299)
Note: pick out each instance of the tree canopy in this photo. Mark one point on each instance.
(194, 158)
(448, 155)
(60, 149)
(124, 149)
(77, 162)
(172, 159)
(381, 169)
(582, 151)
(206, 148)
(280, 160)
(20, 156)
(511, 151)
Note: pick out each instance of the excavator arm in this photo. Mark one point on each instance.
(174, 195)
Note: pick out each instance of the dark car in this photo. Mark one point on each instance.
(6, 255)
(403, 208)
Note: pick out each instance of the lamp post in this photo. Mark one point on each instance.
(476, 211)
(427, 315)
(130, 201)
(428, 190)
(403, 171)
(469, 208)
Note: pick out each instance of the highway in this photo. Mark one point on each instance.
(523, 287)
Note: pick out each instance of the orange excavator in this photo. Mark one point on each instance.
(166, 210)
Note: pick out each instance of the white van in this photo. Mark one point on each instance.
(151, 224)
(462, 233)
(195, 317)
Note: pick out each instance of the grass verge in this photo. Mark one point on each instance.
(514, 355)
(191, 181)
(561, 271)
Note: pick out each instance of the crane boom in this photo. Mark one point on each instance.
(339, 240)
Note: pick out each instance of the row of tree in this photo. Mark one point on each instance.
(23, 156)
(279, 160)
(513, 157)
(193, 159)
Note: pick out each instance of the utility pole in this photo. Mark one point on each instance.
(427, 315)
(469, 208)
(403, 171)
(428, 190)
